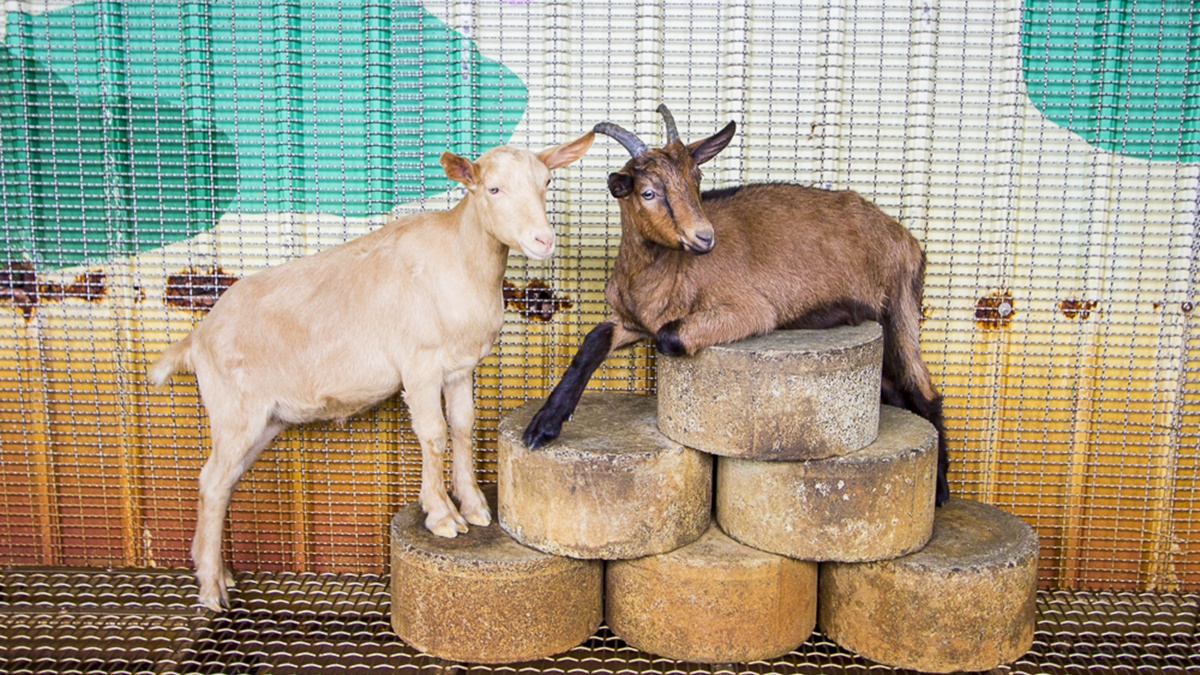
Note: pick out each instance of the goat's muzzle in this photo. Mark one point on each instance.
(538, 244)
(700, 242)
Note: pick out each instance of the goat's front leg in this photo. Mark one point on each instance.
(460, 409)
(424, 398)
(714, 326)
(604, 339)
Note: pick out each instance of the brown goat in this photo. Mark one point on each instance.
(694, 270)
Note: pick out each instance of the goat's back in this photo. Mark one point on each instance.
(812, 243)
(328, 334)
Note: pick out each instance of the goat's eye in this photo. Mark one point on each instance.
(648, 195)
(494, 191)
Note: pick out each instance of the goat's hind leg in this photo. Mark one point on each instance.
(902, 364)
(460, 411)
(423, 395)
(906, 379)
(234, 450)
(931, 409)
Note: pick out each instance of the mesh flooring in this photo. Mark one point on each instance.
(129, 622)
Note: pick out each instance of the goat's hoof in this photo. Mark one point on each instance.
(477, 515)
(444, 526)
(541, 430)
(473, 506)
(214, 605)
(459, 521)
(943, 492)
(667, 340)
(214, 595)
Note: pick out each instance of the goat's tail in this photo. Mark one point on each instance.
(901, 320)
(174, 359)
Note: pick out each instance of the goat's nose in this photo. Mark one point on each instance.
(545, 239)
(701, 242)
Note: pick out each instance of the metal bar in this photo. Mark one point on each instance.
(32, 380)
(118, 174)
(39, 446)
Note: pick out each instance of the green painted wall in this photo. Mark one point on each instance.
(1124, 75)
(127, 126)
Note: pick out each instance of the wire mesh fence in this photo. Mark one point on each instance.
(1045, 153)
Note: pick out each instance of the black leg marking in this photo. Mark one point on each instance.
(911, 400)
(546, 425)
(667, 340)
(932, 411)
(890, 395)
(943, 486)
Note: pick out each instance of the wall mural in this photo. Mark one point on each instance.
(126, 127)
(129, 127)
(1117, 73)
(1045, 154)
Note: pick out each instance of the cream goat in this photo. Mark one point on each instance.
(415, 304)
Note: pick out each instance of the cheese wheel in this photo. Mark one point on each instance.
(483, 598)
(965, 602)
(786, 395)
(712, 601)
(873, 504)
(611, 486)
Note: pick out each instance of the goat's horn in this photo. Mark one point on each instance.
(632, 143)
(672, 131)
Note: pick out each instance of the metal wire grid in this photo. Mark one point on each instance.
(1081, 418)
(86, 622)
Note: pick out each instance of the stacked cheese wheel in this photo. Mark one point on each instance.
(820, 494)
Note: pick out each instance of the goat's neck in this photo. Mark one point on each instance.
(638, 253)
(482, 254)
(650, 284)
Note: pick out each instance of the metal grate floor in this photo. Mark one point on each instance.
(64, 621)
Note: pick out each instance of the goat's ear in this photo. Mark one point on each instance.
(566, 153)
(620, 184)
(706, 149)
(458, 169)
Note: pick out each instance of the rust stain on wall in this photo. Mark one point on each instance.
(90, 286)
(19, 285)
(197, 290)
(995, 311)
(1076, 309)
(536, 301)
(513, 295)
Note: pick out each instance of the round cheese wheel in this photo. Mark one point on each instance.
(712, 601)
(789, 394)
(965, 602)
(483, 598)
(611, 486)
(873, 504)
